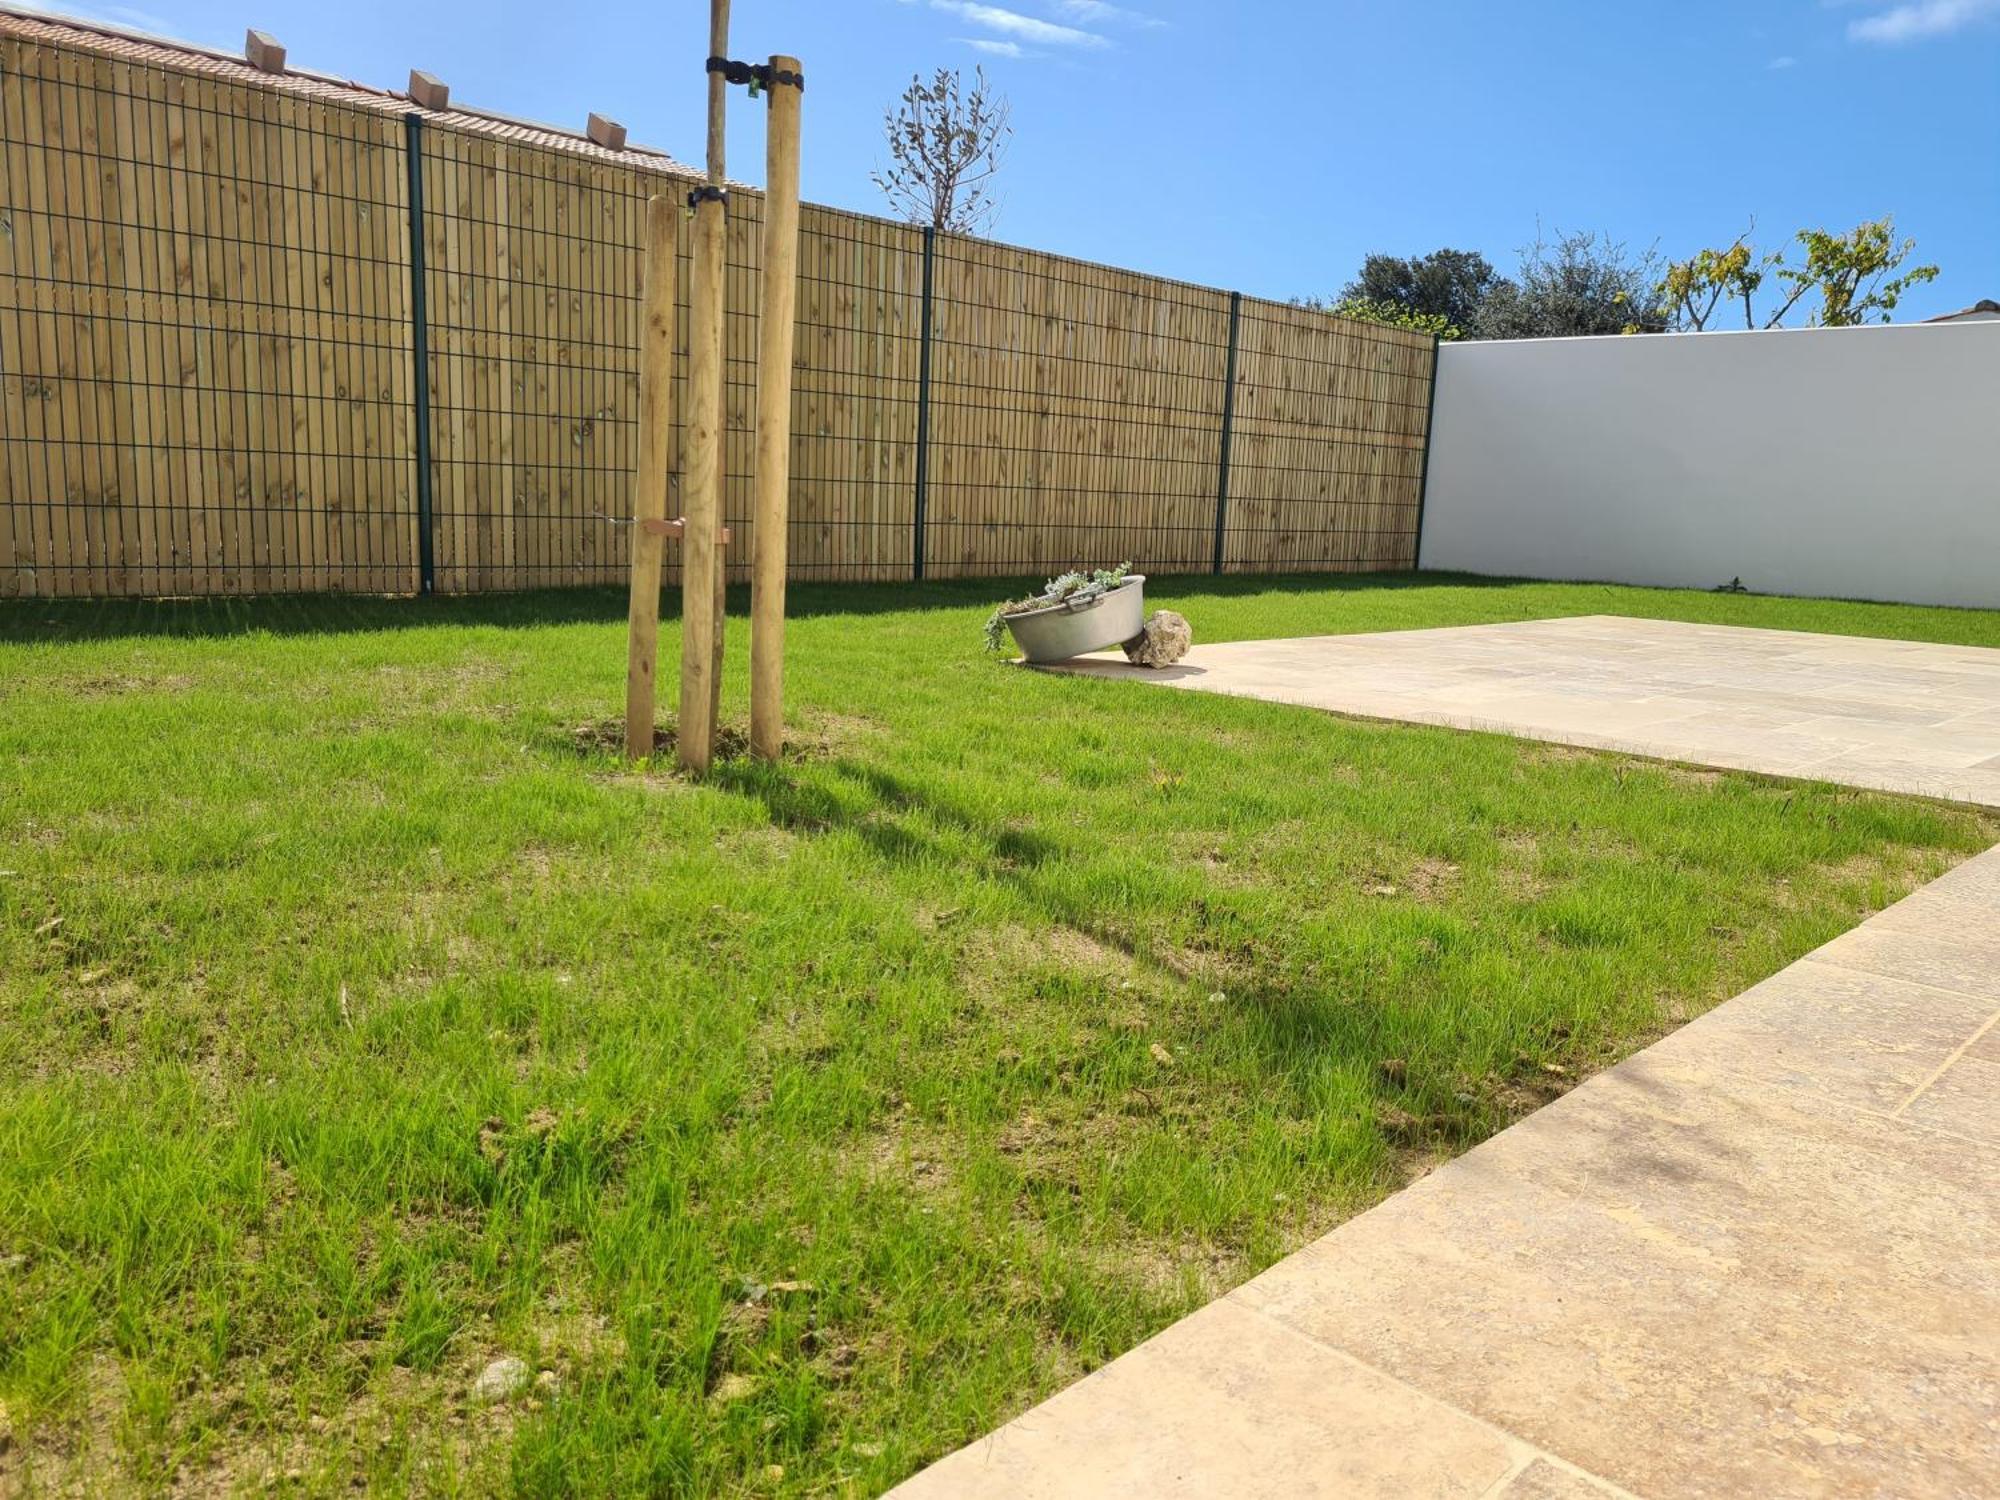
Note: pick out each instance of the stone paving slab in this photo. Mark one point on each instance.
(1901, 716)
(1761, 1257)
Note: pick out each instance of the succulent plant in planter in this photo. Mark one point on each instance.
(1066, 588)
(1080, 612)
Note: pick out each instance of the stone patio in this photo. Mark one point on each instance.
(1902, 716)
(1759, 1258)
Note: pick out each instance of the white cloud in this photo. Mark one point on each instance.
(142, 20)
(1919, 19)
(993, 48)
(1779, 64)
(1097, 13)
(1012, 24)
(103, 15)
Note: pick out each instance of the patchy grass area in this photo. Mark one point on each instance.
(362, 1023)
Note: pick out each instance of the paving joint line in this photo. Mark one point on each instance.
(1946, 1066)
(1848, 968)
(1513, 1440)
(1499, 1487)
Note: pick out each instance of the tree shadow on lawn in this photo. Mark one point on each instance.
(816, 809)
(1282, 1024)
(58, 621)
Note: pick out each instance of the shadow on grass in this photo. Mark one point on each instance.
(886, 816)
(1280, 1021)
(45, 621)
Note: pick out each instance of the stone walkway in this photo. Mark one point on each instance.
(1761, 1257)
(1903, 716)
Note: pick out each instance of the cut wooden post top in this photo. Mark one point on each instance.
(263, 52)
(428, 91)
(606, 132)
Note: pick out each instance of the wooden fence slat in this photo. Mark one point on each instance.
(207, 382)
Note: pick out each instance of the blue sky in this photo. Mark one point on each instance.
(1267, 146)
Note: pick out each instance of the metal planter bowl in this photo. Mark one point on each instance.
(1082, 622)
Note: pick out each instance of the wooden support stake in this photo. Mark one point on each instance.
(701, 559)
(774, 417)
(718, 97)
(718, 89)
(649, 496)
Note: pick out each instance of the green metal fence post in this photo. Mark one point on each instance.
(413, 124)
(924, 406)
(1228, 425)
(1424, 472)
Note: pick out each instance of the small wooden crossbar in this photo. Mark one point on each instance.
(677, 527)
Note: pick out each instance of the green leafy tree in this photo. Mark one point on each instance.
(1447, 284)
(1697, 288)
(1579, 285)
(1854, 274)
(1392, 314)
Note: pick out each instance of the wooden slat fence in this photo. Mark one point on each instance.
(208, 373)
(204, 354)
(1076, 415)
(1326, 458)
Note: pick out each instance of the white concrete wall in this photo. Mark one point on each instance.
(1859, 463)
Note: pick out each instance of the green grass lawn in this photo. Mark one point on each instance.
(358, 1026)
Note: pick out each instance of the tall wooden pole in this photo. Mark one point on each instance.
(718, 88)
(718, 92)
(649, 497)
(701, 562)
(774, 416)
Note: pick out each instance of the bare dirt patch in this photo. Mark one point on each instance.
(1547, 753)
(73, 1458)
(120, 684)
(1193, 1271)
(1211, 967)
(1009, 947)
(1897, 866)
(1690, 776)
(1426, 879)
(761, 846)
(601, 737)
(819, 737)
(435, 686)
(911, 1153)
(1519, 876)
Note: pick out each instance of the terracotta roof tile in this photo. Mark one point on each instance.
(160, 52)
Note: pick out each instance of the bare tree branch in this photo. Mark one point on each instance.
(945, 144)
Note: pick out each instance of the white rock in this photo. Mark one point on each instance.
(501, 1379)
(1163, 642)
